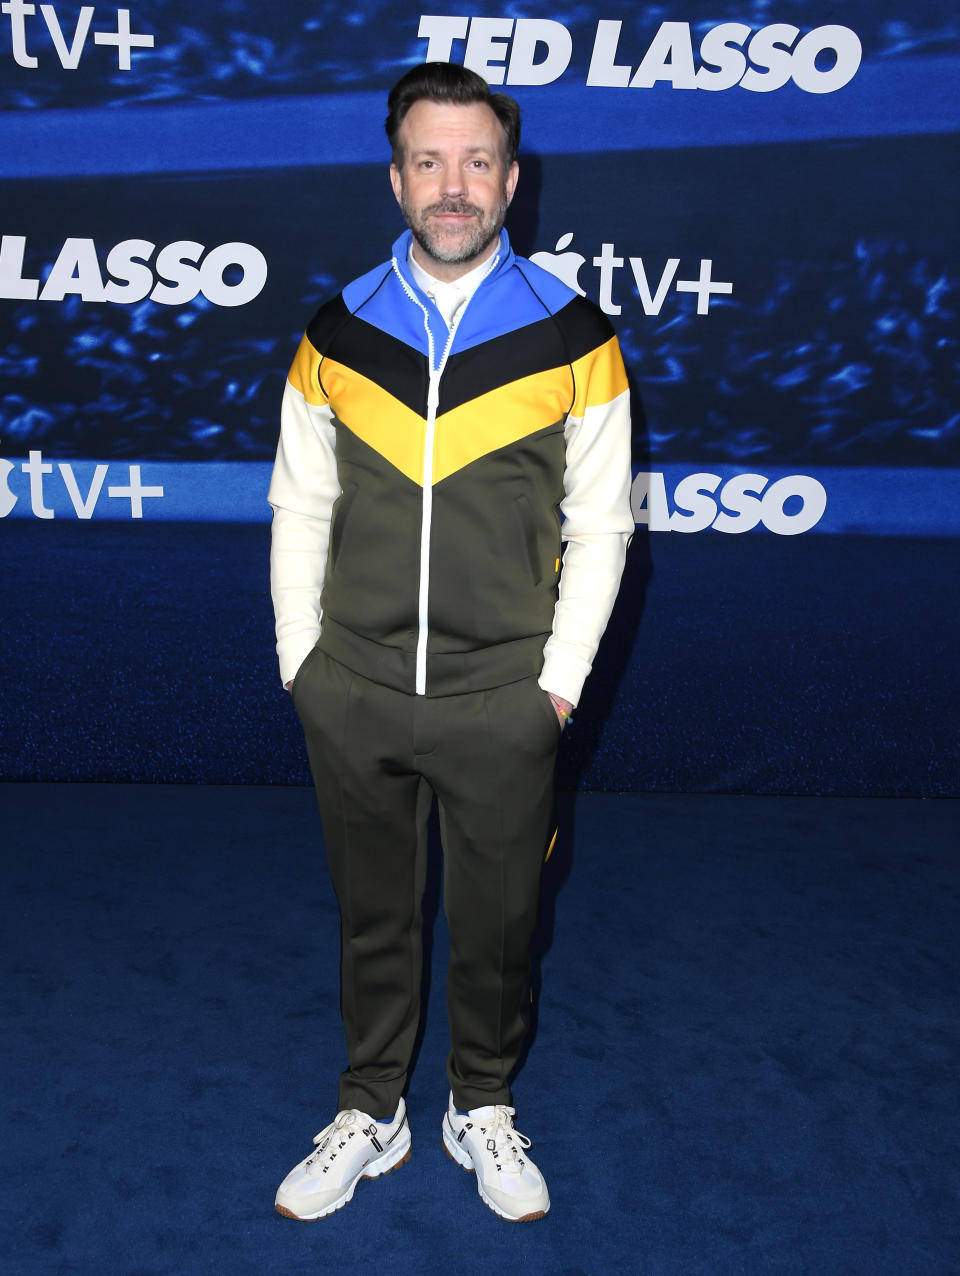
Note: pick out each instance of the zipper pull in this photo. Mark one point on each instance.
(433, 393)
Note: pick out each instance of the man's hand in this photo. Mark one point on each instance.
(562, 708)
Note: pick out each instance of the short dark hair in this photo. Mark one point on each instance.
(450, 82)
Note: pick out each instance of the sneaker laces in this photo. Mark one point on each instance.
(333, 1138)
(503, 1140)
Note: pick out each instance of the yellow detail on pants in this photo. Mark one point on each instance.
(553, 842)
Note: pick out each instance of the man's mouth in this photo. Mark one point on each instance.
(456, 212)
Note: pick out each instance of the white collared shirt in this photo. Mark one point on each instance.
(450, 298)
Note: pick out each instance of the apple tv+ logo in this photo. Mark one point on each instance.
(68, 493)
(652, 290)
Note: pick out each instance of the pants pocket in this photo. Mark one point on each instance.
(298, 676)
(546, 706)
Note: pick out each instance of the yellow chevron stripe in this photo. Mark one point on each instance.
(304, 376)
(473, 430)
(600, 377)
(376, 417)
(505, 415)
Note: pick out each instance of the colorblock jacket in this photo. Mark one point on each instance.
(427, 481)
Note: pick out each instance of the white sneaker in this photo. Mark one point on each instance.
(508, 1181)
(351, 1148)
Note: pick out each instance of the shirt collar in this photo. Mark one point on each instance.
(457, 290)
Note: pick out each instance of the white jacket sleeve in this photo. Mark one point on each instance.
(597, 521)
(303, 489)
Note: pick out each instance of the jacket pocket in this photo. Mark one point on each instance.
(528, 532)
(341, 513)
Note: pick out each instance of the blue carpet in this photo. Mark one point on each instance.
(745, 1057)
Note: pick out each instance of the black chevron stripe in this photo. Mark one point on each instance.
(403, 372)
(551, 342)
(375, 354)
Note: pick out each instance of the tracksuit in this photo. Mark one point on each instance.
(451, 512)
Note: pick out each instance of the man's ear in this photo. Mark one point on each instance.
(510, 183)
(396, 182)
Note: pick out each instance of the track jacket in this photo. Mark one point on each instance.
(425, 481)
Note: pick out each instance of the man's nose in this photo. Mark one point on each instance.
(451, 181)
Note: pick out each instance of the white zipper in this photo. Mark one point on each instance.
(433, 402)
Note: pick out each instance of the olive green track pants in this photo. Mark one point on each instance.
(489, 757)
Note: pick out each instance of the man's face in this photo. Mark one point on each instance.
(452, 187)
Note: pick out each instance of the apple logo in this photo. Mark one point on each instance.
(7, 498)
(566, 266)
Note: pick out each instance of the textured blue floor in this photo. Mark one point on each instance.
(745, 1059)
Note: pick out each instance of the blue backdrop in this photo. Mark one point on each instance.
(764, 201)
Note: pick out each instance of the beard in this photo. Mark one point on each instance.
(454, 248)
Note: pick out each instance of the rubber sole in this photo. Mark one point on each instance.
(463, 1160)
(347, 1196)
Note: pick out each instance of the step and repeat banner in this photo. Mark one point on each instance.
(762, 197)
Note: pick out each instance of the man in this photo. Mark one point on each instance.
(442, 415)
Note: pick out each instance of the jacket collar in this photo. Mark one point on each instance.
(401, 254)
